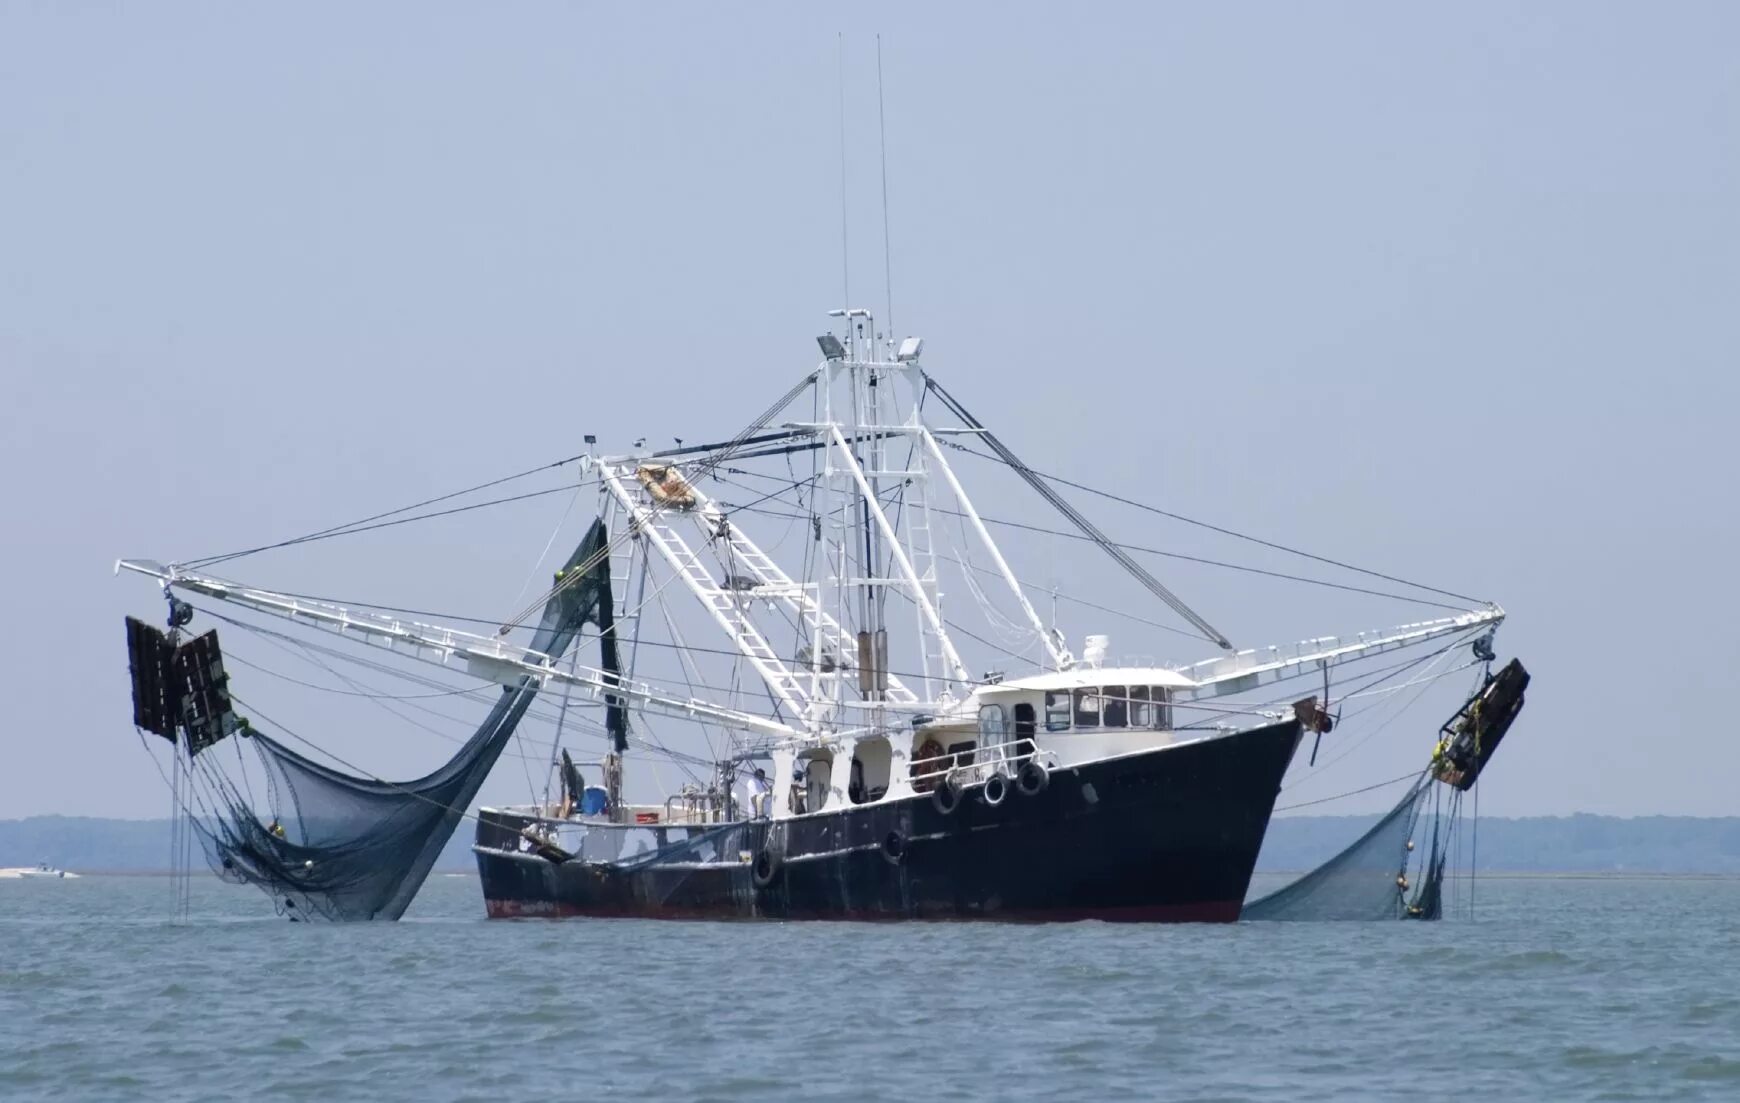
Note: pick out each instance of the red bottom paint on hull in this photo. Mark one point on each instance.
(1221, 911)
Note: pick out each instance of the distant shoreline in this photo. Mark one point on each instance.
(1538, 846)
(1484, 875)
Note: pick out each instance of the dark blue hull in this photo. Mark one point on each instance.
(1162, 836)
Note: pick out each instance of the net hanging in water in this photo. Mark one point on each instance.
(345, 847)
(1368, 880)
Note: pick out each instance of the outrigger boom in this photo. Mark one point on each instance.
(492, 659)
(485, 657)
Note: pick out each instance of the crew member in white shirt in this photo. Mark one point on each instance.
(758, 788)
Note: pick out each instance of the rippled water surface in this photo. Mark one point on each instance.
(1565, 989)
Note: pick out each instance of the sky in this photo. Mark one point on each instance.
(1445, 292)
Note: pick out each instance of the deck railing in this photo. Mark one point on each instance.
(969, 767)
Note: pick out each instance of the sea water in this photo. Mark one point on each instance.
(1558, 989)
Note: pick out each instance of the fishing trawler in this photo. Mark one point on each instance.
(856, 764)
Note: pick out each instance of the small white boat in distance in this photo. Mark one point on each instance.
(40, 869)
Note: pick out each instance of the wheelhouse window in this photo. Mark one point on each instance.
(1162, 707)
(1087, 708)
(1056, 712)
(1141, 712)
(993, 726)
(1115, 709)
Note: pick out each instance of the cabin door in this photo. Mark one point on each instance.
(1026, 722)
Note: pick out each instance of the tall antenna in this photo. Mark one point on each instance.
(882, 129)
(845, 255)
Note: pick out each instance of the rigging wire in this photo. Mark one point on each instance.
(1223, 530)
(960, 515)
(1350, 792)
(350, 765)
(303, 650)
(716, 458)
(476, 693)
(734, 653)
(678, 758)
(548, 544)
(1043, 488)
(361, 528)
(702, 471)
(1175, 555)
(686, 664)
(887, 249)
(1180, 556)
(845, 254)
(346, 528)
(1432, 658)
(230, 655)
(795, 486)
(1474, 849)
(379, 700)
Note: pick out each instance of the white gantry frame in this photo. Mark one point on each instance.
(818, 693)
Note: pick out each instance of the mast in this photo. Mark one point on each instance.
(876, 551)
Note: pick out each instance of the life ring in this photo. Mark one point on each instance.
(894, 848)
(768, 863)
(946, 797)
(1033, 778)
(995, 790)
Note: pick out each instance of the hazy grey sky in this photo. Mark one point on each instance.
(1447, 292)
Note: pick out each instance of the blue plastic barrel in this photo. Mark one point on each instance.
(594, 801)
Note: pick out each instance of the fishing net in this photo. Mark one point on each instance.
(344, 847)
(1368, 880)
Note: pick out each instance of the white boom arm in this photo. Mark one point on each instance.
(485, 657)
(1249, 669)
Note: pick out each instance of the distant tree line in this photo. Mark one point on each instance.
(1535, 844)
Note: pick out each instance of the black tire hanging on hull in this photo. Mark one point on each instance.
(894, 848)
(996, 790)
(768, 863)
(946, 797)
(1033, 778)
